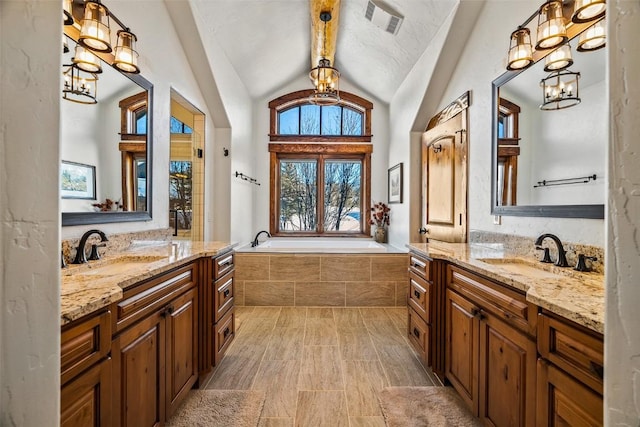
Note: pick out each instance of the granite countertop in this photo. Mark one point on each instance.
(577, 296)
(88, 287)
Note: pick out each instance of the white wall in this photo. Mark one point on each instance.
(482, 60)
(622, 341)
(404, 146)
(30, 84)
(260, 148)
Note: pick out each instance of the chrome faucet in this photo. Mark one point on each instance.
(81, 256)
(562, 259)
(255, 240)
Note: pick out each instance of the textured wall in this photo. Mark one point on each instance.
(29, 236)
(622, 339)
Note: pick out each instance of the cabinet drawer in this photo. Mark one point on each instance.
(419, 335)
(143, 299)
(84, 343)
(419, 266)
(222, 265)
(225, 330)
(420, 296)
(224, 295)
(575, 350)
(508, 304)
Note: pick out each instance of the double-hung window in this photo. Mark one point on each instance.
(320, 166)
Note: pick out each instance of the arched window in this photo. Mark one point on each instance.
(320, 166)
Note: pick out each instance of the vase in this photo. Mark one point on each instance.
(380, 235)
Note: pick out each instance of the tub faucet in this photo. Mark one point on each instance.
(562, 259)
(81, 256)
(255, 241)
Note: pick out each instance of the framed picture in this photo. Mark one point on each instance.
(77, 181)
(395, 184)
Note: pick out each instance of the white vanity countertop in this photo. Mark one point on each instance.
(577, 296)
(88, 287)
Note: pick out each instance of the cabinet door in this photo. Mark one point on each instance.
(139, 364)
(563, 401)
(507, 375)
(461, 364)
(86, 400)
(182, 348)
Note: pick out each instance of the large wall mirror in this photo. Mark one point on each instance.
(550, 163)
(105, 147)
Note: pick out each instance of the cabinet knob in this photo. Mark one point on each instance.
(226, 293)
(226, 332)
(167, 311)
(416, 293)
(416, 332)
(423, 230)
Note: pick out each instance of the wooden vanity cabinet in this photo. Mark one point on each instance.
(217, 323)
(490, 349)
(85, 397)
(155, 348)
(426, 310)
(570, 373)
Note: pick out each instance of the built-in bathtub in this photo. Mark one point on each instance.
(320, 245)
(321, 272)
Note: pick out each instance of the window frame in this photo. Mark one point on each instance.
(508, 152)
(320, 153)
(301, 97)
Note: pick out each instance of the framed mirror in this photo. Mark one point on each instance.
(550, 163)
(106, 156)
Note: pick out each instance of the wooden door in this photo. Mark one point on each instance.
(86, 400)
(444, 166)
(507, 375)
(139, 380)
(461, 363)
(182, 349)
(562, 401)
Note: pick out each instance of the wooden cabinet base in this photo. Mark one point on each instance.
(86, 400)
(563, 401)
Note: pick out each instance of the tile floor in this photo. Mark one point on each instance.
(320, 366)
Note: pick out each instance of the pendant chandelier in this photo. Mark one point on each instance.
(560, 90)
(325, 78)
(79, 86)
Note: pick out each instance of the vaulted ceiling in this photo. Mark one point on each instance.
(268, 42)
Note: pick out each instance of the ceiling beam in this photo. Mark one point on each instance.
(321, 48)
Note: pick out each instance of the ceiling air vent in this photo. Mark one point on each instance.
(383, 16)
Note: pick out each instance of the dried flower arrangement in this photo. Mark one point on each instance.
(379, 214)
(107, 205)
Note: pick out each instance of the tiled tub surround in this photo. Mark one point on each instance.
(88, 287)
(339, 280)
(577, 296)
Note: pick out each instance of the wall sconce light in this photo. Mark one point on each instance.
(125, 55)
(593, 38)
(67, 15)
(552, 31)
(86, 61)
(559, 59)
(325, 78)
(95, 32)
(79, 86)
(560, 90)
(588, 10)
(520, 50)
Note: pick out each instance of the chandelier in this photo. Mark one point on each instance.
(325, 78)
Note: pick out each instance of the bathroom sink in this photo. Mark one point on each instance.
(119, 265)
(529, 268)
